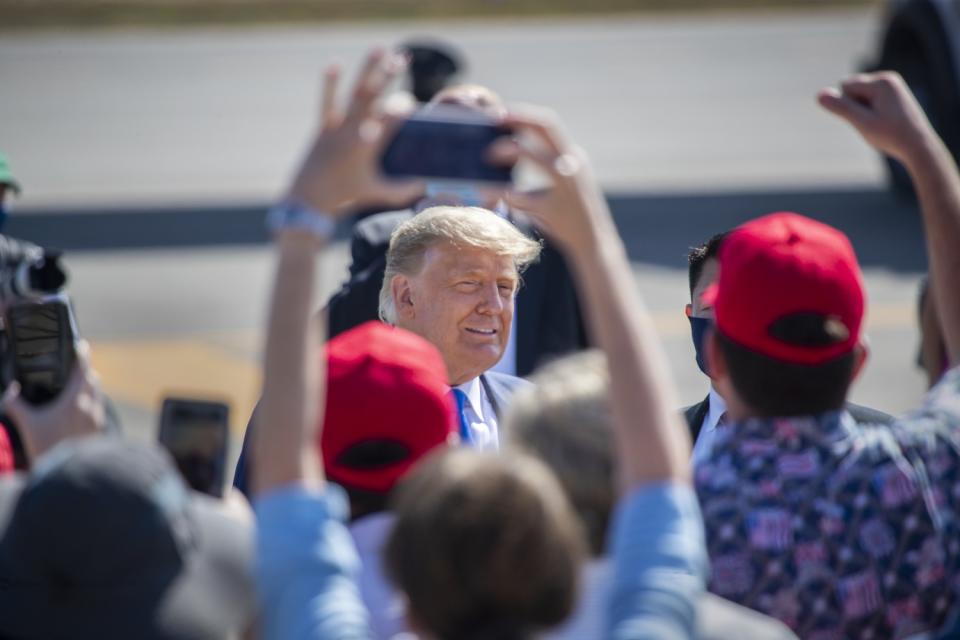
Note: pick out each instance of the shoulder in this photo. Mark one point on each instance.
(866, 415)
(505, 381)
(695, 413)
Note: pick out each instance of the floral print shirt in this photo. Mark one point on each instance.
(837, 529)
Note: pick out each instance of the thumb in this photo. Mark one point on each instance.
(843, 106)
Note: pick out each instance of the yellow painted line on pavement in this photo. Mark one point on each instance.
(141, 372)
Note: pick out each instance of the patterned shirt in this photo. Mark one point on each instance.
(839, 530)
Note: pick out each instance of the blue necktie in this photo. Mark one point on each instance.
(461, 398)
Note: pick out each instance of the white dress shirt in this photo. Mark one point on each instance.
(708, 432)
(480, 416)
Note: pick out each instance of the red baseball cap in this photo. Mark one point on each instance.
(388, 405)
(784, 266)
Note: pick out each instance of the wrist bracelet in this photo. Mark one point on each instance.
(291, 214)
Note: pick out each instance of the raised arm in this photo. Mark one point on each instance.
(652, 444)
(306, 561)
(657, 545)
(338, 173)
(882, 109)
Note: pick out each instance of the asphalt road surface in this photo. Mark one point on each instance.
(151, 154)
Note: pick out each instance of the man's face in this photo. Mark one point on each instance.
(700, 315)
(707, 277)
(462, 302)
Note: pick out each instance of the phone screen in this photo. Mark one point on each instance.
(195, 432)
(41, 336)
(443, 144)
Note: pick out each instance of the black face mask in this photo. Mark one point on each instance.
(698, 329)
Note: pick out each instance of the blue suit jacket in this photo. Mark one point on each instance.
(499, 388)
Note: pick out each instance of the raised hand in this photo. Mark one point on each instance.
(341, 170)
(573, 209)
(881, 107)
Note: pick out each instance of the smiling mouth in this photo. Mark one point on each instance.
(483, 332)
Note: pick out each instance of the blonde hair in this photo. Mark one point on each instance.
(565, 421)
(463, 226)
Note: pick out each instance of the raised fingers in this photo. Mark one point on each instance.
(541, 124)
(378, 72)
(328, 101)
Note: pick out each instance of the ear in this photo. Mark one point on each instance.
(400, 291)
(861, 351)
(688, 310)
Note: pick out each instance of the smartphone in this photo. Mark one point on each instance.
(447, 143)
(196, 433)
(41, 338)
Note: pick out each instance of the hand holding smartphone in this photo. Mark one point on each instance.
(445, 142)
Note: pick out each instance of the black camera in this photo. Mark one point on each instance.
(37, 346)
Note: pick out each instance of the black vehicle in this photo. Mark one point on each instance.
(920, 39)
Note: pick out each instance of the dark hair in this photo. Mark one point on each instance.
(773, 387)
(363, 502)
(484, 546)
(700, 254)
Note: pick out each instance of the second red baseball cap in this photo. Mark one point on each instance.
(783, 266)
(388, 405)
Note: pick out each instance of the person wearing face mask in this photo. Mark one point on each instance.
(707, 416)
(548, 320)
(8, 186)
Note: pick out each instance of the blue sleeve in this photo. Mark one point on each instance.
(659, 563)
(307, 566)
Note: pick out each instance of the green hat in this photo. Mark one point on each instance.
(6, 176)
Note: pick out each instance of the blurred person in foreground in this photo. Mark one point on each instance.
(710, 414)
(565, 421)
(102, 539)
(388, 405)
(548, 321)
(836, 528)
(522, 578)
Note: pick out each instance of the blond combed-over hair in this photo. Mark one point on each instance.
(462, 226)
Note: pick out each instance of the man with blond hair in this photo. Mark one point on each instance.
(451, 276)
(548, 322)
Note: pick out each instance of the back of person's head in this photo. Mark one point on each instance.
(564, 420)
(388, 405)
(788, 306)
(105, 540)
(460, 226)
(484, 546)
